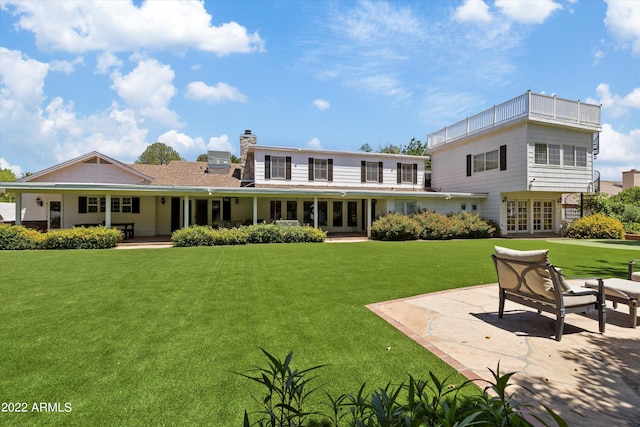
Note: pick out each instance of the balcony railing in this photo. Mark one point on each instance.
(529, 104)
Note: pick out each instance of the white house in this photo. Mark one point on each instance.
(510, 164)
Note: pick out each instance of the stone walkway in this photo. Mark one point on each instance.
(587, 378)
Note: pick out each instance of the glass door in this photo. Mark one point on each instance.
(55, 214)
(517, 215)
(543, 215)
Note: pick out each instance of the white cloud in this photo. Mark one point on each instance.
(385, 85)
(473, 11)
(66, 67)
(528, 11)
(220, 143)
(81, 26)
(200, 91)
(148, 89)
(622, 21)
(17, 170)
(616, 105)
(321, 104)
(107, 61)
(314, 143)
(21, 80)
(619, 152)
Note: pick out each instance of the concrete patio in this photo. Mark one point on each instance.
(587, 378)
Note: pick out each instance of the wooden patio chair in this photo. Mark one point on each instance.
(528, 278)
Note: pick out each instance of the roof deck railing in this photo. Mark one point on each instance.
(529, 104)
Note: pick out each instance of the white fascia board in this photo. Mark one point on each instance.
(52, 187)
(333, 152)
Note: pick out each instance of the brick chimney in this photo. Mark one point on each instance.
(246, 159)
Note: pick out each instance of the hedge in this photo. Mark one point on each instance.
(17, 237)
(260, 233)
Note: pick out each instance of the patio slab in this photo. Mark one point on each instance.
(588, 378)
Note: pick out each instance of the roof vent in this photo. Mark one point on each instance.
(218, 161)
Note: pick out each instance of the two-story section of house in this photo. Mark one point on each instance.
(526, 153)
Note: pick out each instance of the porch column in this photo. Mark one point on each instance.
(255, 210)
(107, 210)
(315, 212)
(186, 212)
(18, 208)
(368, 218)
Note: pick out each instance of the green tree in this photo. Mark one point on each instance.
(414, 148)
(205, 158)
(366, 148)
(158, 154)
(7, 175)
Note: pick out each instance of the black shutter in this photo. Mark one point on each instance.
(503, 157)
(380, 171)
(267, 167)
(288, 171)
(82, 204)
(363, 171)
(311, 169)
(468, 164)
(330, 170)
(399, 173)
(415, 174)
(135, 204)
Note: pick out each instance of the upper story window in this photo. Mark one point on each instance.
(556, 155)
(278, 167)
(372, 171)
(320, 169)
(407, 173)
(485, 161)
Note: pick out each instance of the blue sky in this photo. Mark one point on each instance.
(116, 76)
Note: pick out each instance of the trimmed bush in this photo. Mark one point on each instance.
(260, 233)
(81, 238)
(17, 237)
(395, 226)
(597, 226)
(434, 226)
(468, 225)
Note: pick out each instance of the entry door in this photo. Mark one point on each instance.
(55, 214)
(517, 215)
(542, 215)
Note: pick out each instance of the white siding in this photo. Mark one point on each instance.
(346, 169)
(91, 172)
(559, 178)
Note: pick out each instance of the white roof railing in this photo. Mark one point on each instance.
(532, 105)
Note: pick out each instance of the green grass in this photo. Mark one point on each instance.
(154, 336)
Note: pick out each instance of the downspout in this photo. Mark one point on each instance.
(316, 214)
(107, 210)
(255, 210)
(368, 218)
(186, 212)
(18, 208)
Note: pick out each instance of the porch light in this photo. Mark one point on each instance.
(38, 201)
(504, 199)
(162, 200)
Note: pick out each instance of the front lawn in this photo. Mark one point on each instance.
(153, 336)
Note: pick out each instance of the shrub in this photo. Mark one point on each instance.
(260, 233)
(81, 238)
(467, 225)
(395, 226)
(434, 226)
(597, 226)
(416, 402)
(17, 237)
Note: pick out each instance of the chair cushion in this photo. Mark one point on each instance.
(571, 300)
(540, 255)
(635, 277)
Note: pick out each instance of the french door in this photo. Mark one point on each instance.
(542, 215)
(517, 215)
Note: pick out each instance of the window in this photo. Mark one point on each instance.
(292, 209)
(337, 214)
(491, 160)
(554, 154)
(568, 155)
(478, 163)
(126, 204)
(352, 214)
(541, 154)
(278, 167)
(275, 210)
(407, 173)
(372, 171)
(92, 204)
(406, 206)
(115, 204)
(95, 204)
(320, 169)
(581, 157)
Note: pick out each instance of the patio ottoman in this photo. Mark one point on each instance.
(621, 291)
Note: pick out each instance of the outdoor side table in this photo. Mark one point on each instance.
(621, 291)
